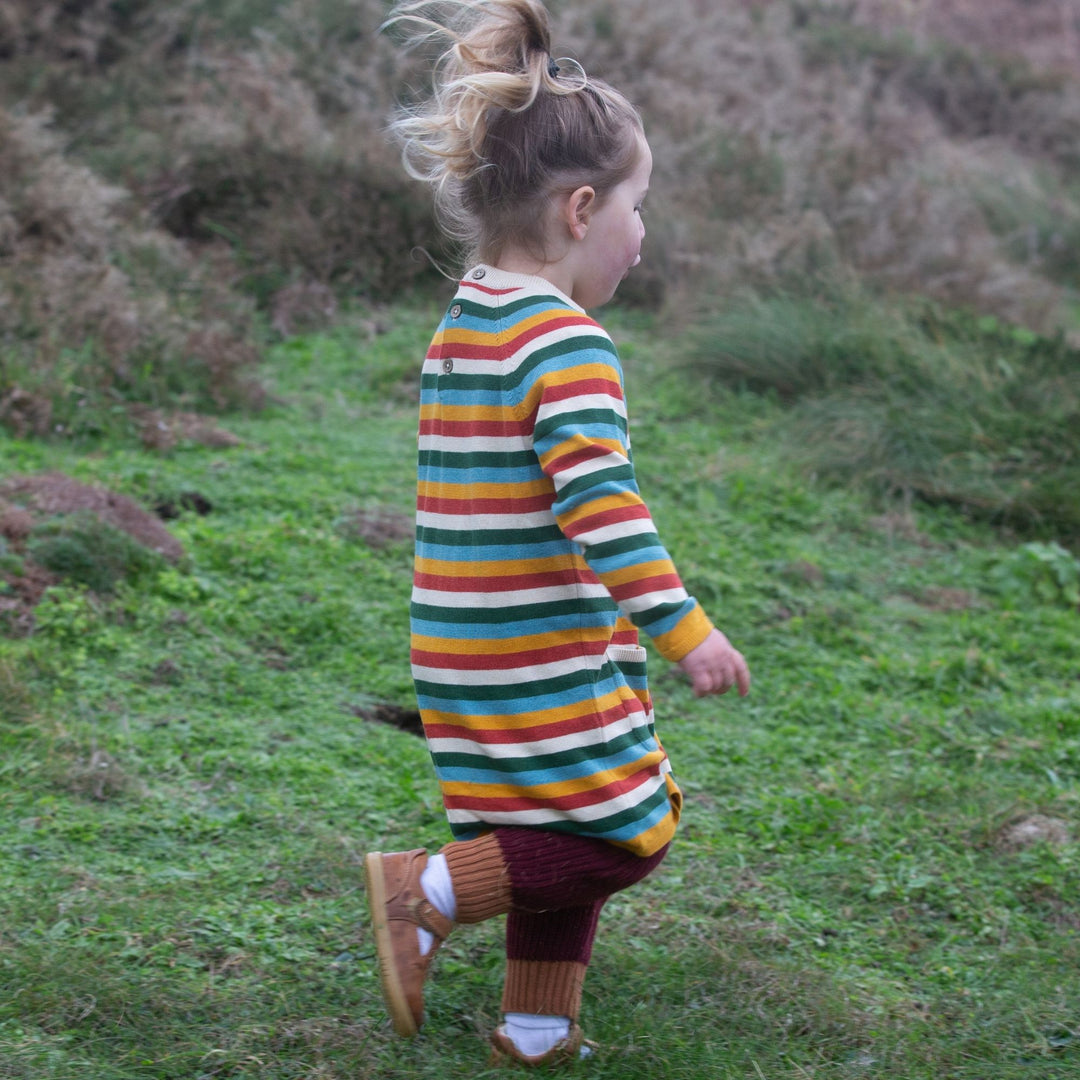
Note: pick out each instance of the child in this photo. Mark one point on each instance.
(536, 559)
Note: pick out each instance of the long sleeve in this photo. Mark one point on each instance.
(580, 437)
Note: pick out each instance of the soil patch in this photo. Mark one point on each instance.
(1034, 829)
(394, 715)
(378, 526)
(49, 495)
(28, 501)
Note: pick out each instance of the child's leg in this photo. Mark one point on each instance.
(518, 870)
(559, 885)
(409, 922)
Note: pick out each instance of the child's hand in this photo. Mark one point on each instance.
(715, 666)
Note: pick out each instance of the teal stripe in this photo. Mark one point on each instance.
(515, 613)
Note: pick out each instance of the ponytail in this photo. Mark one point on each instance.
(506, 126)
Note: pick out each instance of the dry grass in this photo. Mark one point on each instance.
(926, 147)
(96, 306)
(792, 137)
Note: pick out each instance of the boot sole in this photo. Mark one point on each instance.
(393, 994)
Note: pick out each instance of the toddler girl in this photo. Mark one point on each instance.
(537, 562)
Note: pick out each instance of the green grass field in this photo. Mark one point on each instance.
(877, 872)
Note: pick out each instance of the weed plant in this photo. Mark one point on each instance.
(876, 873)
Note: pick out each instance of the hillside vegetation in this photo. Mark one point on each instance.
(854, 380)
(182, 182)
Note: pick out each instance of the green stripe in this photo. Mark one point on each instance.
(621, 545)
(538, 687)
(575, 756)
(478, 459)
(511, 538)
(578, 419)
(516, 613)
(510, 380)
(616, 474)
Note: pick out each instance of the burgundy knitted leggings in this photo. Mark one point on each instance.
(559, 884)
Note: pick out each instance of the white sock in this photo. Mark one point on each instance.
(533, 1034)
(439, 889)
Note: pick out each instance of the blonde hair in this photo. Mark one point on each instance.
(506, 125)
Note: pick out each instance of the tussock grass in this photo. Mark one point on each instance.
(913, 400)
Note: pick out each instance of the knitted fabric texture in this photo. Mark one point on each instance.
(480, 877)
(536, 564)
(543, 988)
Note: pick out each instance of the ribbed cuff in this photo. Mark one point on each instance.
(480, 878)
(543, 988)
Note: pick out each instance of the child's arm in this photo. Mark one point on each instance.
(580, 437)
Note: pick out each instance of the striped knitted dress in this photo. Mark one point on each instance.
(536, 563)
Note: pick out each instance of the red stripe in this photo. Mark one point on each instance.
(565, 391)
(645, 585)
(460, 429)
(490, 291)
(592, 797)
(509, 736)
(592, 452)
(507, 661)
(636, 511)
(505, 582)
(529, 504)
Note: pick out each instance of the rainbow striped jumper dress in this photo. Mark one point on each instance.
(536, 564)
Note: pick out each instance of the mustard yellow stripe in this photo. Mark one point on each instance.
(580, 373)
(457, 335)
(637, 572)
(552, 791)
(578, 443)
(686, 636)
(430, 410)
(651, 840)
(448, 568)
(598, 506)
(486, 491)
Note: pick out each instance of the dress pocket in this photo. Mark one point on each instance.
(630, 662)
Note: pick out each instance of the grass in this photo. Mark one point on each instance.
(187, 790)
(908, 398)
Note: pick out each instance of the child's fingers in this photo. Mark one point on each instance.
(742, 675)
(733, 671)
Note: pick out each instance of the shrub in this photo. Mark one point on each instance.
(84, 550)
(96, 308)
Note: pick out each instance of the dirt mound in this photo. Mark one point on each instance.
(52, 494)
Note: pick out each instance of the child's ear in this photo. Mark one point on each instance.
(578, 209)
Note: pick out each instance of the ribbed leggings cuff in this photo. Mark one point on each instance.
(543, 987)
(480, 878)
